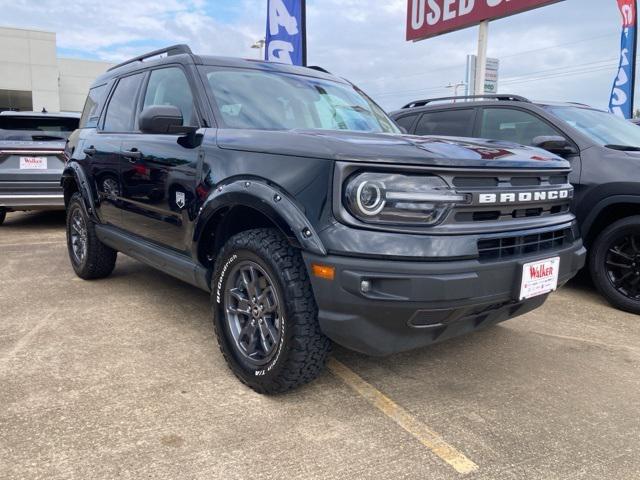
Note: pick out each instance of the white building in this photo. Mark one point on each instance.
(32, 77)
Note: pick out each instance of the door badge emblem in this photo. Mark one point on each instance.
(180, 199)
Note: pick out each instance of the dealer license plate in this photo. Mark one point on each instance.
(539, 277)
(33, 163)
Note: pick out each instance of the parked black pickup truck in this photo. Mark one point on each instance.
(297, 203)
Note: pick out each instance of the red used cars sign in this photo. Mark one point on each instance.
(428, 18)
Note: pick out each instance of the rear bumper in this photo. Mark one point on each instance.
(32, 192)
(414, 303)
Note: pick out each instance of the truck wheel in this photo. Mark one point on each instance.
(615, 264)
(3, 215)
(89, 257)
(264, 313)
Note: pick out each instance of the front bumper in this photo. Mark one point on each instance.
(415, 303)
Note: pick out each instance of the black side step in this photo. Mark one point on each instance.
(161, 258)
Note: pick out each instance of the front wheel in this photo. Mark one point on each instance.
(265, 315)
(90, 258)
(615, 264)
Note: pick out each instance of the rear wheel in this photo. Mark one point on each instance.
(265, 315)
(615, 264)
(3, 215)
(89, 257)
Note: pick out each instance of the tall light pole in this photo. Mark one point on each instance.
(455, 87)
(259, 44)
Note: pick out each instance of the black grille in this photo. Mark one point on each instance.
(505, 247)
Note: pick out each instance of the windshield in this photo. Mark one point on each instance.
(603, 127)
(23, 128)
(276, 101)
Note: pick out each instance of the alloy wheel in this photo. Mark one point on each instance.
(623, 265)
(253, 313)
(78, 233)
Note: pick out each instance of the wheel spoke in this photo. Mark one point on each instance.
(268, 336)
(618, 265)
(617, 251)
(618, 282)
(634, 244)
(249, 279)
(267, 298)
(243, 302)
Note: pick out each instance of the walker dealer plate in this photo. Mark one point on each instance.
(539, 277)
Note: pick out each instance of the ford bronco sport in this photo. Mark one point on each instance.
(295, 201)
(604, 153)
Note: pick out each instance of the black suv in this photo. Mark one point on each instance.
(294, 199)
(604, 152)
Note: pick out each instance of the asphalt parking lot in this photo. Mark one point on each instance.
(122, 378)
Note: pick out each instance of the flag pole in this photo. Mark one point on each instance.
(303, 17)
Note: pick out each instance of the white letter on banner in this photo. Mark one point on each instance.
(281, 51)
(417, 14)
(280, 16)
(494, 3)
(448, 14)
(433, 16)
(466, 6)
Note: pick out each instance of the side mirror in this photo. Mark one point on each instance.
(163, 119)
(554, 144)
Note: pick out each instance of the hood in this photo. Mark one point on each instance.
(32, 145)
(390, 148)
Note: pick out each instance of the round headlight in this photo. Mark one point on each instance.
(370, 198)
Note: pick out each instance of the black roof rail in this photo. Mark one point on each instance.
(319, 69)
(172, 50)
(505, 97)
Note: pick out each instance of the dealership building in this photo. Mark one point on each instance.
(33, 77)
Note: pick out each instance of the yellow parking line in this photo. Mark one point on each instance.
(395, 412)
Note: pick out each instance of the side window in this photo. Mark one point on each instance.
(169, 86)
(513, 126)
(452, 123)
(90, 113)
(119, 117)
(406, 122)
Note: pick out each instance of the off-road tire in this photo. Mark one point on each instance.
(99, 260)
(3, 215)
(302, 348)
(598, 263)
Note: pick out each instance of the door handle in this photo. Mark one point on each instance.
(91, 151)
(133, 154)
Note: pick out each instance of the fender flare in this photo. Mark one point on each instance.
(269, 200)
(601, 205)
(75, 172)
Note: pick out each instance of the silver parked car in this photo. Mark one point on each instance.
(32, 159)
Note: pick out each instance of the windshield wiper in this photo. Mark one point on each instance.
(624, 148)
(46, 137)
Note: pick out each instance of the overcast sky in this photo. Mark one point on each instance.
(567, 51)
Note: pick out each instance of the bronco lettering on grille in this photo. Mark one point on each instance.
(524, 197)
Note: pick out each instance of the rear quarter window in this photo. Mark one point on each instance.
(407, 122)
(450, 123)
(91, 112)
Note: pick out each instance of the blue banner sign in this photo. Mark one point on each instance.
(622, 94)
(286, 32)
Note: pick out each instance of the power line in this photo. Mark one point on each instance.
(595, 66)
(517, 54)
